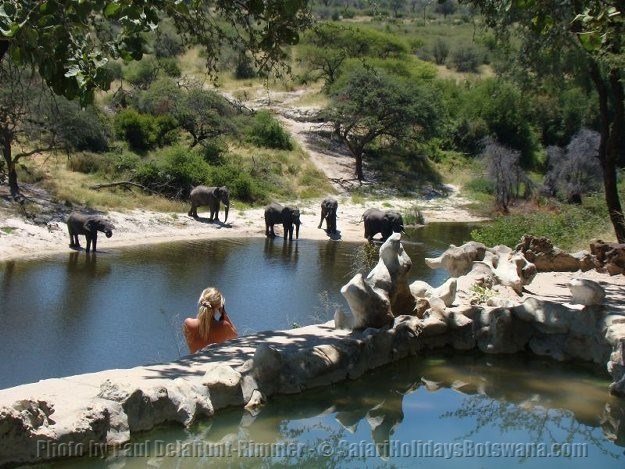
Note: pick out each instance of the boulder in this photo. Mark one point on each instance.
(457, 260)
(375, 300)
(541, 252)
(586, 292)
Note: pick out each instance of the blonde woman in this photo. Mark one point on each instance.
(212, 325)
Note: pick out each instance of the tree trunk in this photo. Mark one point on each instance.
(359, 173)
(11, 166)
(611, 131)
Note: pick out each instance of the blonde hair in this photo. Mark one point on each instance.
(210, 300)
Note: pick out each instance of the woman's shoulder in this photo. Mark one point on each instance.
(191, 322)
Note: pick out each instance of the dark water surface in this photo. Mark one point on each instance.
(76, 313)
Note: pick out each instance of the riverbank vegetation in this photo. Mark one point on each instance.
(420, 94)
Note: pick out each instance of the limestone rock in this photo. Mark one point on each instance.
(586, 292)
(446, 292)
(385, 292)
(457, 260)
(370, 307)
(224, 384)
(391, 275)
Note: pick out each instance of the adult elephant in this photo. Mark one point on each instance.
(288, 216)
(384, 222)
(329, 206)
(211, 196)
(88, 225)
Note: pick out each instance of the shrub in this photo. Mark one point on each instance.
(85, 163)
(466, 59)
(170, 67)
(82, 129)
(139, 130)
(143, 73)
(567, 229)
(440, 51)
(266, 131)
(174, 172)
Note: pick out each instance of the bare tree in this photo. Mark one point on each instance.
(575, 170)
(503, 166)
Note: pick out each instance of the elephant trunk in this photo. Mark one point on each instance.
(297, 231)
(226, 208)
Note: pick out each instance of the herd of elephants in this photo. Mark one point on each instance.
(375, 220)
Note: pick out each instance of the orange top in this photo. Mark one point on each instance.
(220, 331)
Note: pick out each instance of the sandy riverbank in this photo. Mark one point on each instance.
(21, 238)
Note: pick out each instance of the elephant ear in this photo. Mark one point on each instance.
(89, 225)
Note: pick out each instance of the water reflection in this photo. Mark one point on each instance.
(444, 410)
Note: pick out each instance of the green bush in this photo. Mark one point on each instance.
(82, 129)
(466, 59)
(174, 172)
(266, 131)
(565, 229)
(139, 130)
(481, 185)
(240, 183)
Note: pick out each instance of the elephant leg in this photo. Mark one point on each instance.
(193, 211)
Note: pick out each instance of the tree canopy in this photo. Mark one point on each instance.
(370, 104)
(593, 31)
(70, 42)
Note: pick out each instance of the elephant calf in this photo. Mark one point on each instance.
(329, 206)
(288, 216)
(88, 225)
(384, 222)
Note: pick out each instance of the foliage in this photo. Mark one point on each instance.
(466, 59)
(329, 45)
(266, 131)
(549, 36)
(569, 227)
(173, 172)
(82, 129)
(413, 216)
(139, 130)
(440, 51)
(32, 120)
(143, 73)
(373, 105)
(70, 42)
(499, 108)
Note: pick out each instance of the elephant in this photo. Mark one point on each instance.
(329, 207)
(288, 216)
(88, 225)
(203, 195)
(385, 222)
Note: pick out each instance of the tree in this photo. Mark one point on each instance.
(32, 122)
(371, 105)
(328, 46)
(594, 30)
(503, 166)
(69, 42)
(574, 170)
